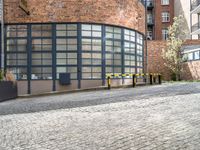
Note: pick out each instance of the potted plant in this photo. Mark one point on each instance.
(8, 86)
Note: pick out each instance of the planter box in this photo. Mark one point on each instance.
(8, 90)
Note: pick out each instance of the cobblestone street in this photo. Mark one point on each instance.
(163, 117)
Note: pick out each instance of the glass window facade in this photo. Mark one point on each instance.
(91, 51)
(16, 52)
(113, 49)
(129, 51)
(86, 51)
(66, 49)
(41, 57)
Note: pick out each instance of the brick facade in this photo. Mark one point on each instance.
(159, 25)
(156, 11)
(126, 13)
(155, 60)
(191, 69)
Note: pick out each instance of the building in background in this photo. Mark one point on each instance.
(191, 48)
(84, 38)
(189, 9)
(195, 18)
(160, 14)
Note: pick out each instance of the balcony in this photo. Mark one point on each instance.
(195, 29)
(195, 6)
(149, 4)
(150, 22)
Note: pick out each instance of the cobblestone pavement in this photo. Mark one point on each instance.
(158, 117)
(96, 97)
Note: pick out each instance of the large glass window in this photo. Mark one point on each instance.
(16, 31)
(139, 53)
(66, 30)
(91, 51)
(113, 50)
(41, 66)
(16, 50)
(122, 52)
(66, 49)
(129, 51)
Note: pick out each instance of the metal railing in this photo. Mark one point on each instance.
(194, 4)
(153, 78)
(150, 21)
(149, 3)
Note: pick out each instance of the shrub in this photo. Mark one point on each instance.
(10, 77)
(1, 75)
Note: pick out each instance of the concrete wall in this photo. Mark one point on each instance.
(41, 86)
(182, 7)
(38, 87)
(72, 86)
(85, 84)
(22, 87)
(127, 13)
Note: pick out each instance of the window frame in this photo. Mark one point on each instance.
(164, 2)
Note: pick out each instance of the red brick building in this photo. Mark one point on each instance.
(84, 38)
(160, 14)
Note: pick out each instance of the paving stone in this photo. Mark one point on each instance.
(135, 122)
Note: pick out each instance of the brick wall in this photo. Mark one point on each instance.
(127, 13)
(159, 25)
(191, 70)
(192, 42)
(155, 60)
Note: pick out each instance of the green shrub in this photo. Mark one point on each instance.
(1, 75)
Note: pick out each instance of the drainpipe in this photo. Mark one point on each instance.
(2, 34)
(146, 37)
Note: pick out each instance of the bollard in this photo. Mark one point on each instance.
(134, 80)
(160, 79)
(151, 79)
(145, 79)
(109, 83)
(154, 79)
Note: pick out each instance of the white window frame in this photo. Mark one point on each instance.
(165, 16)
(164, 2)
(164, 34)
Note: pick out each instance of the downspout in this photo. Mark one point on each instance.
(2, 34)
(146, 71)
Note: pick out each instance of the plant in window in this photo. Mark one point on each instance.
(1, 75)
(10, 77)
(173, 53)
